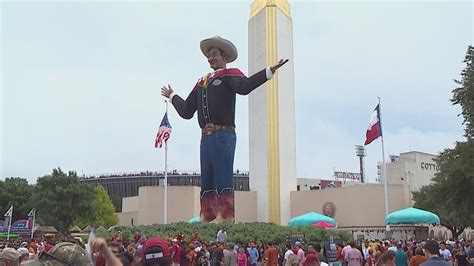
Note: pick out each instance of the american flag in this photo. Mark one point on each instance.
(163, 133)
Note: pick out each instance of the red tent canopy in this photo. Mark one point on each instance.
(323, 224)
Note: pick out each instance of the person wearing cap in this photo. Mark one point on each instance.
(24, 254)
(9, 257)
(24, 244)
(64, 253)
(156, 252)
(213, 98)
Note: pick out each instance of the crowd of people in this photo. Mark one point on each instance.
(153, 173)
(412, 253)
(189, 251)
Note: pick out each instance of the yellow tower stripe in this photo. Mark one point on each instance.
(272, 119)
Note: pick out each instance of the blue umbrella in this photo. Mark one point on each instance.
(311, 218)
(194, 220)
(412, 216)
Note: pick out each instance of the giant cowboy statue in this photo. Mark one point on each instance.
(213, 97)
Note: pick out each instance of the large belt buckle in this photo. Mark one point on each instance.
(209, 128)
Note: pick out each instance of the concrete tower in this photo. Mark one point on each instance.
(272, 159)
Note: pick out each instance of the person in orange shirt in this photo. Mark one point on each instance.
(419, 257)
(191, 253)
(33, 247)
(271, 255)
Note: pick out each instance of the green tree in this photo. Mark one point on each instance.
(450, 194)
(60, 199)
(464, 93)
(437, 199)
(103, 211)
(16, 191)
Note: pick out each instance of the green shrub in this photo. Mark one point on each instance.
(243, 232)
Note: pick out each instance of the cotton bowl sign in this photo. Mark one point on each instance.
(429, 166)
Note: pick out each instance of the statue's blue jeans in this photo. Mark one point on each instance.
(217, 178)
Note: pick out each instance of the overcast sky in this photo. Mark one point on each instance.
(80, 81)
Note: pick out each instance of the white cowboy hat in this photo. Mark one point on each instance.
(225, 45)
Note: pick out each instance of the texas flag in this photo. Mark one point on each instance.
(375, 128)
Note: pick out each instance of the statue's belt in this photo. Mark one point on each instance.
(209, 128)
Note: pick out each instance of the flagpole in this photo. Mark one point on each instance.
(384, 168)
(10, 223)
(33, 224)
(165, 209)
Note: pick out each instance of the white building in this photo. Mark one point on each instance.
(415, 169)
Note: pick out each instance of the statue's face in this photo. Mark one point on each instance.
(216, 58)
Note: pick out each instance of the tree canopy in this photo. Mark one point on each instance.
(450, 194)
(464, 93)
(17, 192)
(60, 199)
(103, 211)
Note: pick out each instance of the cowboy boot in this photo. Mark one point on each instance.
(208, 206)
(225, 203)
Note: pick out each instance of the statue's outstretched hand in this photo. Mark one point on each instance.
(166, 91)
(278, 65)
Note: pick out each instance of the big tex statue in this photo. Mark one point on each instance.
(213, 97)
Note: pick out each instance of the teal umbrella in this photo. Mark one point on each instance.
(311, 218)
(412, 216)
(194, 220)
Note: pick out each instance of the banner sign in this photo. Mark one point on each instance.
(18, 227)
(347, 175)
